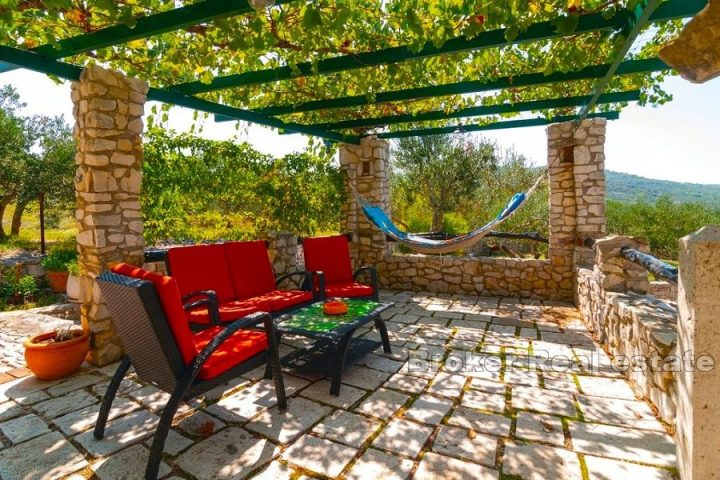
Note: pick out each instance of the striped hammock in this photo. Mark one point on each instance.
(429, 246)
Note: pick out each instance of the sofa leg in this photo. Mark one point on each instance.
(109, 396)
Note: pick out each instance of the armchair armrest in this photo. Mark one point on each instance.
(246, 322)
(319, 294)
(372, 271)
(305, 284)
(206, 297)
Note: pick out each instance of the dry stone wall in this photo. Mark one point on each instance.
(639, 330)
(108, 109)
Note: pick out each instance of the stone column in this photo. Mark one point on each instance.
(576, 165)
(366, 168)
(108, 109)
(698, 420)
(283, 249)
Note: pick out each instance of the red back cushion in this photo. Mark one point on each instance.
(169, 295)
(330, 255)
(250, 268)
(201, 267)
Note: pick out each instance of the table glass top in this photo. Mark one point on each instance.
(312, 318)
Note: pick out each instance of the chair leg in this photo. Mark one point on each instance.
(110, 396)
(158, 445)
(276, 371)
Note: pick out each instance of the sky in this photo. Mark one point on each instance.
(678, 141)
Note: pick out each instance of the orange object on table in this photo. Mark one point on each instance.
(335, 307)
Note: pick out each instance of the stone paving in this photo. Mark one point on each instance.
(482, 388)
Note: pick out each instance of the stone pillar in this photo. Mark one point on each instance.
(619, 275)
(108, 109)
(366, 168)
(576, 165)
(283, 250)
(698, 420)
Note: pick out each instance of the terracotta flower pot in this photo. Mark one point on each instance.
(58, 281)
(49, 361)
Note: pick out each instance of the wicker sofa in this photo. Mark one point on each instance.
(222, 282)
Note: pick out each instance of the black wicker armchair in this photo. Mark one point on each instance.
(149, 318)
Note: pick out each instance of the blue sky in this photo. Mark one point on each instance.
(678, 141)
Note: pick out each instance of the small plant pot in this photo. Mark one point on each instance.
(73, 288)
(58, 281)
(50, 361)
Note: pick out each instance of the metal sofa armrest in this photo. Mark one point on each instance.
(372, 271)
(306, 283)
(206, 298)
(319, 294)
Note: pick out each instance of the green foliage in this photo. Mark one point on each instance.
(200, 189)
(445, 170)
(661, 223)
(475, 185)
(59, 260)
(14, 285)
(626, 187)
(299, 32)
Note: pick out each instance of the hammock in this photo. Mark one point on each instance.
(429, 246)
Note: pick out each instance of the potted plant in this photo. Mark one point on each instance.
(56, 268)
(56, 354)
(73, 282)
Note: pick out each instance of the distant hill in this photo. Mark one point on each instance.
(623, 186)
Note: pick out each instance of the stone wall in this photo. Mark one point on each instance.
(108, 109)
(283, 252)
(577, 212)
(635, 328)
(663, 290)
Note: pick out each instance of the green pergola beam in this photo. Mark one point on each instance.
(33, 61)
(640, 18)
(531, 122)
(474, 86)
(495, 38)
(148, 26)
(616, 97)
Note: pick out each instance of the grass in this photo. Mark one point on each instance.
(60, 230)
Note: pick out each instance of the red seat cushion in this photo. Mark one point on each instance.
(231, 310)
(250, 268)
(282, 299)
(351, 289)
(171, 302)
(241, 346)
(330, 255)
(201, 267)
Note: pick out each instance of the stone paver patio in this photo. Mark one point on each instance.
(483, 388)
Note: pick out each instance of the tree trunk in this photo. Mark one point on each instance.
(4, 202)
(437, 221)
(17, 217)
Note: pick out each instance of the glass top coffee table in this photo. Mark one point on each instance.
(334, 345)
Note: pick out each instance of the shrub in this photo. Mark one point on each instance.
(58, 260)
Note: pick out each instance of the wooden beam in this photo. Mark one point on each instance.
(39, 63)
(531, 122)
(475, 86)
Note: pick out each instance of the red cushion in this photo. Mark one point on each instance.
(241, 345)
(282, 299)
(201, 267)
(330, 255)
(351, 289)
(250, 268)
(231, 310)
(169, 295)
